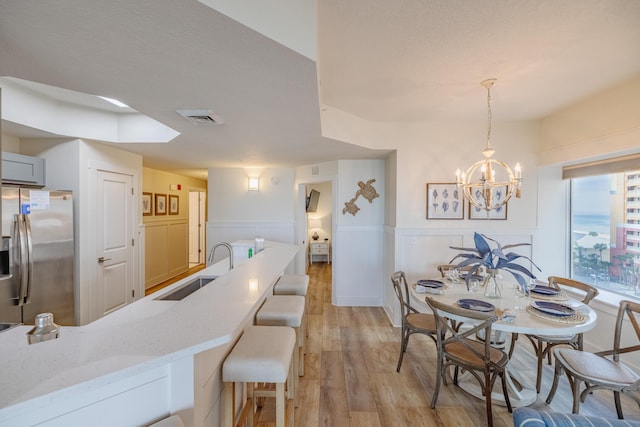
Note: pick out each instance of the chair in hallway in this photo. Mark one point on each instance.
(456, 348)
(413, 322)
(543, 345)
(602, 370)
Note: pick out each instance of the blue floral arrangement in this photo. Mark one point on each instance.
(494, 259)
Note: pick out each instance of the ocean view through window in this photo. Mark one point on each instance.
(605, 231)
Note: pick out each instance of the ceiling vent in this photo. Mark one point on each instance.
(201, 117)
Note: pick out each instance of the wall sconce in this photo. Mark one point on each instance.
(253, 285)
(254, 183)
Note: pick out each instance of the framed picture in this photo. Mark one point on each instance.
(161, 204)
(174, 204)
(147, 207)
(500, 213)
(444, 201)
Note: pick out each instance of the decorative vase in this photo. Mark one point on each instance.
(315, 235)
(493, 284)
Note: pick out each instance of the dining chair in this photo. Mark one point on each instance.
(412, 321)
(443, 268)
(542, 344)
(602, 370)
(457, 348)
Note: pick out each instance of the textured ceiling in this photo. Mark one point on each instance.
(410, 60)
(418, 60)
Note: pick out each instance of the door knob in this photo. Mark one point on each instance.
(103, 259)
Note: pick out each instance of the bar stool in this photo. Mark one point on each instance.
(263, 354)
(286, 310)
(294, 284)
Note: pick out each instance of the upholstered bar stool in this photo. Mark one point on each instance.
(294, 284)
(286, 310)
(263, 354)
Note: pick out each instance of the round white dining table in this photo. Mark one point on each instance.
(525, 322)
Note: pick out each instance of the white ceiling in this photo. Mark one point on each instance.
(410, 60)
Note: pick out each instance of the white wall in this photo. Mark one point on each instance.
(234, 213)
(602, 125)
(358, 241)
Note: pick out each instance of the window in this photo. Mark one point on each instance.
(605, 231)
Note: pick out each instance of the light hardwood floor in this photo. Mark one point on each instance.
(351, 380)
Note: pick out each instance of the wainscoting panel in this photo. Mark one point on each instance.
(166, 251)
(357, 266)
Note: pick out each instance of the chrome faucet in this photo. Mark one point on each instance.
(213, 251)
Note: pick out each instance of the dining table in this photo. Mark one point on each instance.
(541, 311)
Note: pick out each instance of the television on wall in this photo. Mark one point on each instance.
(312, 201)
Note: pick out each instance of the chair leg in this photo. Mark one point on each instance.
(404, 338)
(506, 392)
(556, 376)
(575, 389)
(250, 401)
(539, 372)
(487, 398)
(439, 377)
(280, 405)
(616, 398)
(229, 405)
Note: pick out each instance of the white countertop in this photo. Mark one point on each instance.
(145, 334)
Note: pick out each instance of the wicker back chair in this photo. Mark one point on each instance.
(458, 348)
(602, 370)
(413, 322)
(543, 345)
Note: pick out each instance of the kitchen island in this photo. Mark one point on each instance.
(143, 362)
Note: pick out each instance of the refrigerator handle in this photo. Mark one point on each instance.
(23, 267)
(27, 227)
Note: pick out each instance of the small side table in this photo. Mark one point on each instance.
(319, 249)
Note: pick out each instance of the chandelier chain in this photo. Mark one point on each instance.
(489, 116)
(488, 184)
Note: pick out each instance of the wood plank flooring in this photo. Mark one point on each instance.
(351, 380)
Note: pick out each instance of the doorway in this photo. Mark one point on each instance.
(319, 214)
(197, 203)
(114, 242)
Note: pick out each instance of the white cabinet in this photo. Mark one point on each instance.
(320, 249)
(19, 169)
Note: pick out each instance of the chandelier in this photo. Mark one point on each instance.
(489, 183)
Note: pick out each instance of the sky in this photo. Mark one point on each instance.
(591, 195)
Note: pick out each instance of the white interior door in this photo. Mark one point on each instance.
(115, 256)
(196, 227)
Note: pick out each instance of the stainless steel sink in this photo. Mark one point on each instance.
(186, 289)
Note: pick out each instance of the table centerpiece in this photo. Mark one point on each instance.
(492, 261)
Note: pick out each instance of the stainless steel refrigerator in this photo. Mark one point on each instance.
(40, 226)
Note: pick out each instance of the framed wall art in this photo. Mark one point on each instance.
(444, 201)
(499, 213)
(161, 204)
(147, 206)
(174, 204)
